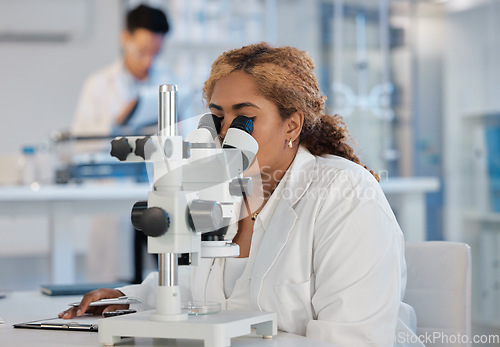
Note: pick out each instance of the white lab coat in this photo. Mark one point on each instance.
(327, 256)
(106, 92)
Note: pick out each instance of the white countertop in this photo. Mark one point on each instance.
(402, 185)
(66, 192)
(69, 192)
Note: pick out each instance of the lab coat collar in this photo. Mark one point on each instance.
(291, 188)
(280, 218)
(300, 176)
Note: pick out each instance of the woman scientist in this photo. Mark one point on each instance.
(323, 250)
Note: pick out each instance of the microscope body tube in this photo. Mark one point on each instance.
(167, 112)
(168, 303)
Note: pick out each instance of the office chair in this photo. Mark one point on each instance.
(439, 289)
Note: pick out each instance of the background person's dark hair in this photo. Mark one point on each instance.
(149, 18)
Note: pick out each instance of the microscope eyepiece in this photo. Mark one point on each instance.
(239, 136)
(210, 122)
(242, 123)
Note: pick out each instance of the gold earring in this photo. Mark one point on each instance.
(290, 144)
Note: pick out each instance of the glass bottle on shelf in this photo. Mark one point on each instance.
(28, 172)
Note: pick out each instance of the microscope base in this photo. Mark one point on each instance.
(215, 330)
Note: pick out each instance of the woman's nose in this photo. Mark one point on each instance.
(223, 131)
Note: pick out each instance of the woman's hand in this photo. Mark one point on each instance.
(95, 295)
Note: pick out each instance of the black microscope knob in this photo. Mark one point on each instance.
(136, 215)
(120, 149)
(144, 147)
(155, 222)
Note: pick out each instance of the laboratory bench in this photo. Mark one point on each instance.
(18, 307)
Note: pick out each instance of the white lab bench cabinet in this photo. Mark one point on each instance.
(59, 206)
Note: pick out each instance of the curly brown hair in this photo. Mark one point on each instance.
(285, 76)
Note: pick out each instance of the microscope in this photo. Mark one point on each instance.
(197, 191)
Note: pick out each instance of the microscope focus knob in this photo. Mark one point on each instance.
(155, 222)
(152, 221)
(241, 186)
(120, 149)
(136, 215)
(144, 147)
(205, 215)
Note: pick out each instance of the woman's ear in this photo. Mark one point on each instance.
(294, 124)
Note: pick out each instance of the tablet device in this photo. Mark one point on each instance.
(82, 323)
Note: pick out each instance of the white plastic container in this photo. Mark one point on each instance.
(28, 166)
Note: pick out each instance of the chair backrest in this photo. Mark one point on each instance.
(439, 289)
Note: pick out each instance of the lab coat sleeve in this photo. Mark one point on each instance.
(357, 267)
(91, 115)
(147, 289)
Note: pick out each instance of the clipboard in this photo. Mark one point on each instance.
(82, 323)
